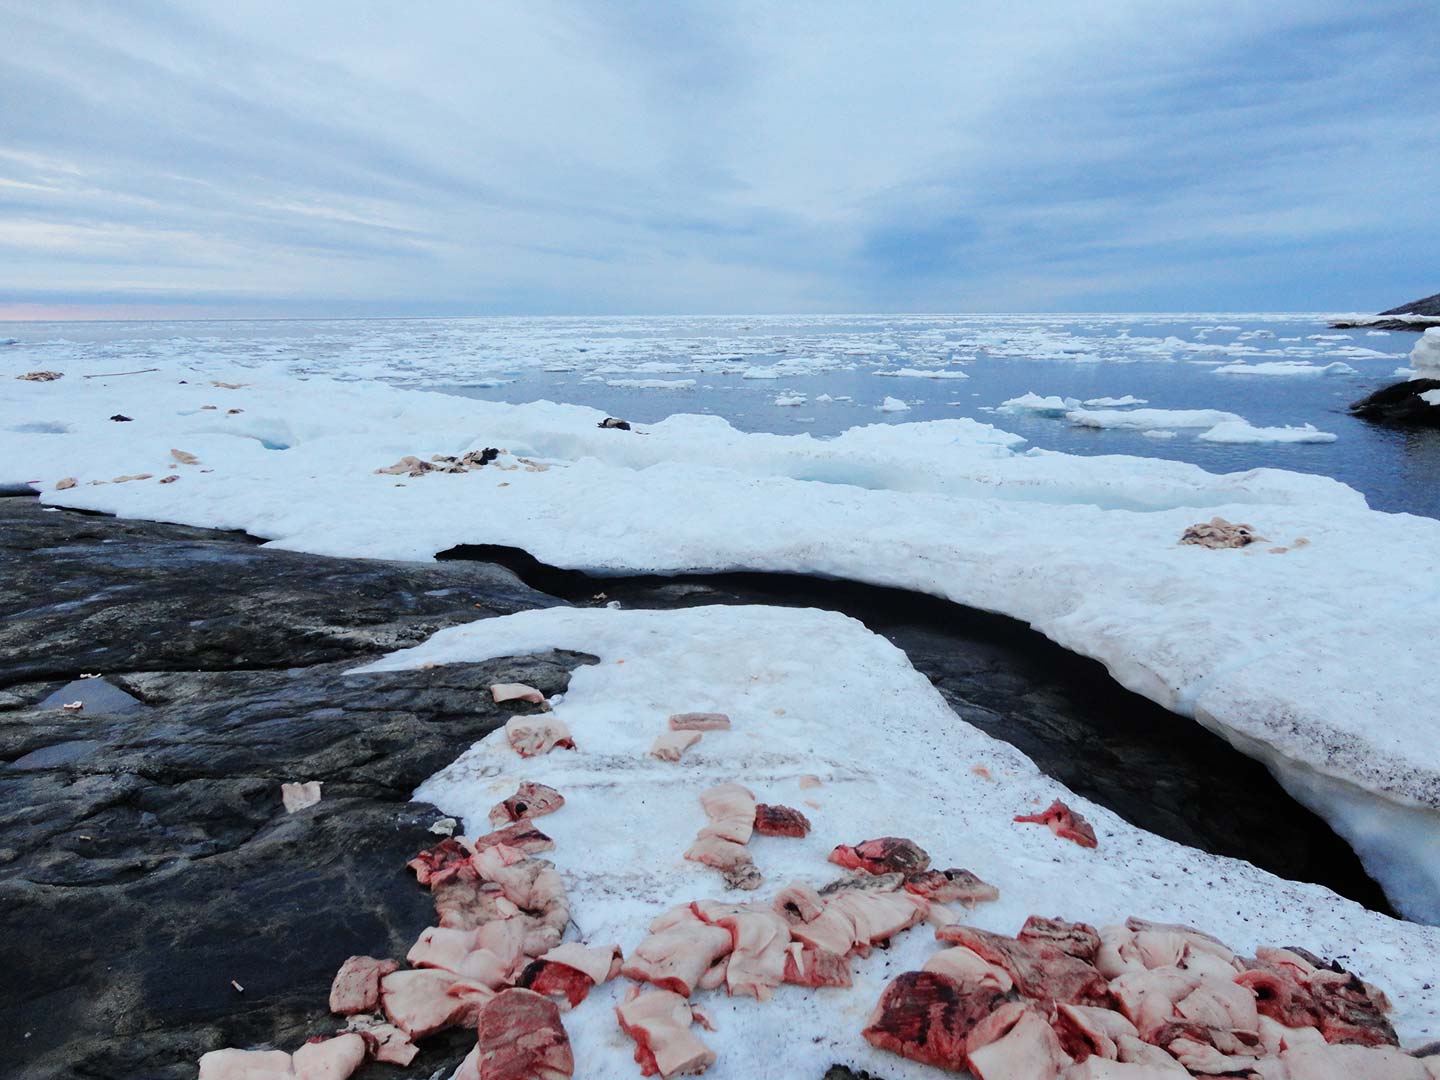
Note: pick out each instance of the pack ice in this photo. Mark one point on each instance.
(1308, 650)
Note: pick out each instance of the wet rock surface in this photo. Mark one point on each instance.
(145, 857)
(1400, 403)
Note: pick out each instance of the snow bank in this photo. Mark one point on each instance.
(1082, 548)
(1425, 357)
(815, 693)
(1142, 419)
(1431, 397)
(1240, 431)
(1288, 367)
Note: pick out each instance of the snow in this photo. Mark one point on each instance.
(1264, 647)
(893, 404)
(816, 693)
(1032, 402)
(1142, 419)
(1431, 397)
(1425, 357)
(1240, 431)
(1288, 367)
(1115, 402)
(923, 373)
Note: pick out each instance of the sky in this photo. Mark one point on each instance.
(260, 158)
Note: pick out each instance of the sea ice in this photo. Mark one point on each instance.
(1142, 419)
(1113, 402)
(1425, 356)
(1032, 402)
(1287, 367)
(924, 373)
(1239, 431)
(893, 404)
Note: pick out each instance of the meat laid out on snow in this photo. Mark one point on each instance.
(569, 971)
(951, 886)
(530, 800)
(671, 745)
(659, 1022)
(679, 952)
(699, 721)
(780, 821)
(1064, 823)
(520, 1037)
(1144, 1001)
(530, 736)
(721, 844)
(884, 855)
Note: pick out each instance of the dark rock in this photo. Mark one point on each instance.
(95, 594)
(1430, 305)
(121, 418)
(145, 857)
(1400, 403)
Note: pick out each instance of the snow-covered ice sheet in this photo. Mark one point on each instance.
(1082, 548)
(816, 693)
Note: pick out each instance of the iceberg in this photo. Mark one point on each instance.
(1143, 419)
(1425, 356)
(1288, 367)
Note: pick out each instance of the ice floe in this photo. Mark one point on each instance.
(1263, 646)
(1240, 431)
(1032, 402)
(1425, 356)
(1114, 402)
(893, 404)
(814, 695)
(1143, 419)
(1287, 367)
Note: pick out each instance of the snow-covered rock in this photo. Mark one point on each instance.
(1425, 356)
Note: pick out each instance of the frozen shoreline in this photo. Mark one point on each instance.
(1083, 549)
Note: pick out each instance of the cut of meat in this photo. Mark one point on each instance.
(384, 1042)
(329, 1059)
(679, 951)
(659, 1022)
(419, 1002)
(731, 810)
(1098, 1068)
(514, 691)
(812, 967)
(1064, 823)
(1280, 997)
(1349, 1010)
(1221, 1004)
(442, 862)
(569, 971)
(699, 721)
(1040, 970)
(759, 938)
(967, 968)
(780, 821)
(854, 919)
(469, 904)
(521, 1038)
(883, 855)
(1080, 940)
(356, 988)
(1352, 1063)
(798, 902)
(1085, 1031)
(1015, 1043)
(862, 881)
(531, 800)
(522, 836)
(671, 745)
(926, 1017)
(230, 1064)
(530, 736)
(732, 859)
(951, 886)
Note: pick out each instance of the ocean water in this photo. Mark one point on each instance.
(644, 369)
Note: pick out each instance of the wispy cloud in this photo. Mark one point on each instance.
(556, 156)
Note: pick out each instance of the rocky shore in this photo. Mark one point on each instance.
(156, 901)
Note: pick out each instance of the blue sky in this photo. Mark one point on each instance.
(356, 158)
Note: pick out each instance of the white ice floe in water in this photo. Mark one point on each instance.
(1316, 659)
(1156, 433)
(1425, 356)
(923, 373)
(893, 404)
(1032, 402)
(651, 384)
(1143, 419)
(789, 399)
(1241, 432)
(1288, 367)
(813, 693)
(1115, 402)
